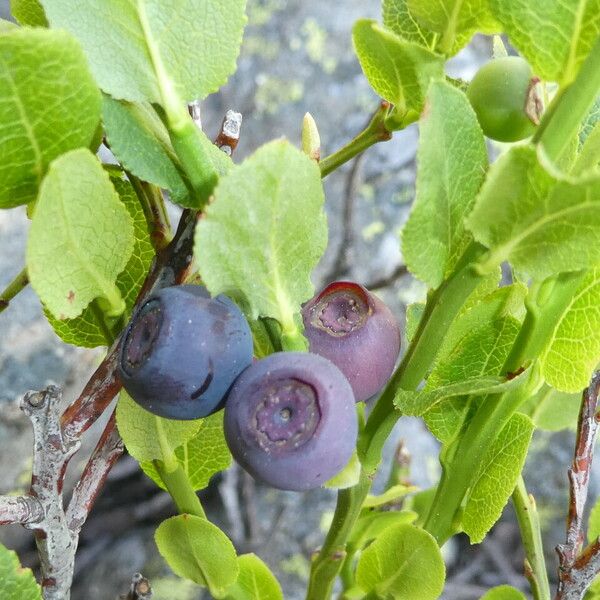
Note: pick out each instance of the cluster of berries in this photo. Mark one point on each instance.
(290, 419)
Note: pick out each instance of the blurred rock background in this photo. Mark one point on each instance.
(297, 56)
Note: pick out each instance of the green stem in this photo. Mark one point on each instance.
(459, 471)
(178, 486)
(18, 284)
(472, 446)
(529, 525)
(569, 107)
(376, 131)
(441, 308)
(327, 563)
(174, 476)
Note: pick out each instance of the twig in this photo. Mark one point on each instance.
(493, 550)
(383, 282)
(577, 569)
(249, 509)
(339, 267)
(108, 449)
(140, 589)
(18, 284)
(25, 510)
(228, 489)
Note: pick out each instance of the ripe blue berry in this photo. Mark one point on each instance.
(182, 351)
(357, 332)
(290, 420)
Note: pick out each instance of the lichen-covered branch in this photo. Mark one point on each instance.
(52, 451)
(577, 569)
(25, 510)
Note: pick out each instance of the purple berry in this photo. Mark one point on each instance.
(182, 352)
(357, 332)
(290, 420)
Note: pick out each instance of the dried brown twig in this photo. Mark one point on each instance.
(140, 589)
(578, 568)
(57, 437)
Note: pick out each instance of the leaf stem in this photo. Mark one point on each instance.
(529, 525)
(175, 478)
(153, 206)
(375, 131)
(100, 317)
(17, 285)
(569, 107)
(178, 485)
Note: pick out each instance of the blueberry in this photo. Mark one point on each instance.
(290, 420)
(182, 351)
(357, 332)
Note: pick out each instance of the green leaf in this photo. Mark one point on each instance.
(497, 477)
(348, 476)
(552, 410)
(394, 564)
(573, 351)
(481, 352)
(413, 403)
(196, 549)
(187, 49)
(454, 20)
(452, 160)
(81, 237)
(16, 582)
(390, 496)
(264, 232)
(147, 436)
(532, 29)
(255, 581)
(139, 139)
(28, 12)
(49, 104)
(85, 330)
(372, 524)
(503, 592)
(589, 154)
(202, 455)
(481, 310)
(593, 531)
(399, 71)
(522, 206)
(397, 17)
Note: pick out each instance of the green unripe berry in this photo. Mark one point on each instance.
(504, 96)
